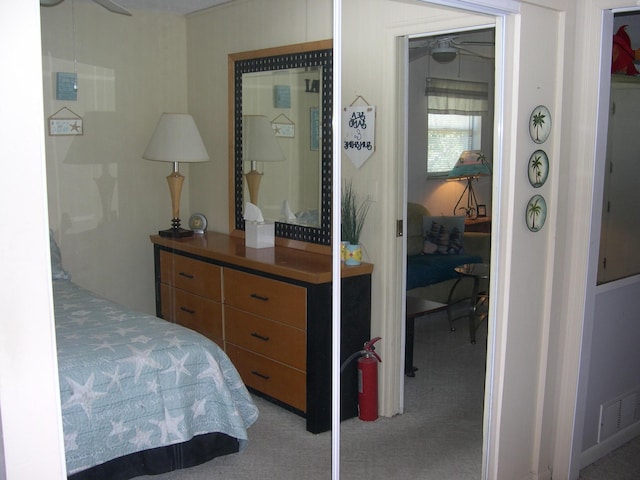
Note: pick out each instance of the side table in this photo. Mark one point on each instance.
(416, 307)
(479, 301)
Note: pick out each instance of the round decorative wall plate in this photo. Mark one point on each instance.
(538, 168)
(198, 223)
(536, 213)
(540, 124)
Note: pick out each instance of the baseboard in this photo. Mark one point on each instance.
(546, 475)
(601, 449)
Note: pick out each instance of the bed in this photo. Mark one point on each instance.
(140, 395)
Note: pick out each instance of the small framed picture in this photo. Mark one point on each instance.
(314, 122)
(482, 210)
(282, 96)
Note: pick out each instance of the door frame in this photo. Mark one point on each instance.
(495, 347)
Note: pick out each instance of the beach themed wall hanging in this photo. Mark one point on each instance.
(65, 122)
(359, 131)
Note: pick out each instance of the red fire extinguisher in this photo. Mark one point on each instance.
(368, 381)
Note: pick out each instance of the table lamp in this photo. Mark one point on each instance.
(259, 144)
(471, 165)
(176, 139)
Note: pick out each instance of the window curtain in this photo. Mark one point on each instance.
(457, 97)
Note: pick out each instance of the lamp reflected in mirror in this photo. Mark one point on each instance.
(259, 144)
(471, 165)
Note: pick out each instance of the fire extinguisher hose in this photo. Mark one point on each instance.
(351, 358)
(368, 349)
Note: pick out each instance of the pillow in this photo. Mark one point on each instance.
(415, 236)
(57, 272)
(443, 235)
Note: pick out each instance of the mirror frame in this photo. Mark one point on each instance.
(310, 54)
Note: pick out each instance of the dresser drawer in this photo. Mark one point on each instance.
(269, 338)
(269, 298)
(272, 378)
(192, 311)
(192, 275)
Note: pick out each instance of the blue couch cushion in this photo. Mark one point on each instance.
(423, 270)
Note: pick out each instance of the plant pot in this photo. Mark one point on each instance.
(353, 255)
(343, 250)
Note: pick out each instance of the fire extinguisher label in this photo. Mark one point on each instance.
(360, 389)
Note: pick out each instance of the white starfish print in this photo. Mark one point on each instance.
(198, 407)
(176, 342)
(124, 331)
(153, 386)
(103, 345)
(213, 371)
(169, 426)
(118, 429)
(70, 441)
(141, 359)
(178, 366)
(83, 395)
(78, 319)
(115, 378)
(141, 438)
(141, 339)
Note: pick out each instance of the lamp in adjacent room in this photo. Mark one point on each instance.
(259, 144)
(176, 139)
(471, 165)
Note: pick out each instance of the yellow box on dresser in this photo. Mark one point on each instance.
(270, 309)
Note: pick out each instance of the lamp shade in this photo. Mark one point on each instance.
(472, 163)
(176, 139)
(259, 143)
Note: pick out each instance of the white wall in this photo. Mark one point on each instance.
(212, 36)
(130, 70)
(32, 445)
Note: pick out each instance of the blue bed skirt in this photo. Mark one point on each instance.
(423, 270)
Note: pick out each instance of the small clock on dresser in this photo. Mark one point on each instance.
(198, 223)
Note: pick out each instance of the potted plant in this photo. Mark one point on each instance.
(354, 213)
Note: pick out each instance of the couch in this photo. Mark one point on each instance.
(432, 276)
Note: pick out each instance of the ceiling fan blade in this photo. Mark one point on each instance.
(113, 7)
(471, 53)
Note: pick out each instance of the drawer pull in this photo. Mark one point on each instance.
(186, 275)
(188, 310)
(261, 337)
(261, 375)
(258, 297)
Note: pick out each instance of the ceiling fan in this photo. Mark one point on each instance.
(108, 4)
(446, 49)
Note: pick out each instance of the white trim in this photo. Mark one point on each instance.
(492, 7)
(335, 240)
(601, 449)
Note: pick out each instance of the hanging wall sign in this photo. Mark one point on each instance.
(65, 122)
(359, 132)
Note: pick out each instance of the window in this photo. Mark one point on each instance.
(447, 137)
(455, 110)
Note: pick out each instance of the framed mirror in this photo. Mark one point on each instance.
(289, 90)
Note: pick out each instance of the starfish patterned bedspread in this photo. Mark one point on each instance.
(131, 381)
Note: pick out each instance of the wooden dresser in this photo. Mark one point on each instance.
(270, 310)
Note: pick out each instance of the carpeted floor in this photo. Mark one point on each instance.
(438, 437)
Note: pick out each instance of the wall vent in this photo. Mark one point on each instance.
(618, 414)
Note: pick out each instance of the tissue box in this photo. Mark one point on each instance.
(259, 235)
